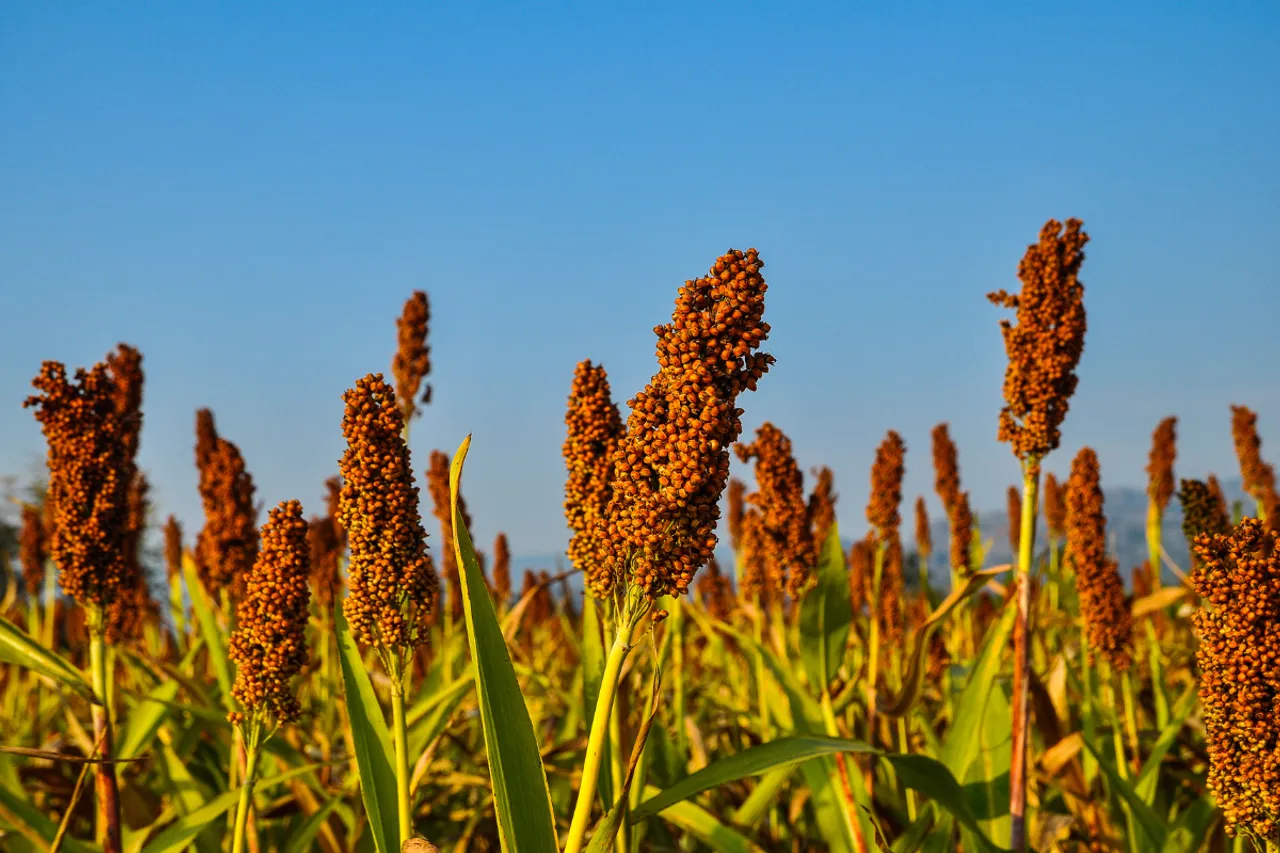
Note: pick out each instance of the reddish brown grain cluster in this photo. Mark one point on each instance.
(883, 515)
(786, 536)
(1013, 512)
(501, 569)
(672, 466)
(1102, 601)
(861, 570)
(1055, 508)
(32, 550)
(438, 486)
(1238, 576)
(1164, 451)
(172, 548)
(822, 506)
(326, 561)
(955, 502)
(269, 643)
(88, 484)
(134, 605)
(715, 591)
(1203, 512)
(1259, 478)
(1045, 341)
(228, 544)
(412, 362)
(593, 430)
(737, 505)
(924, 536)
(391, 580)
(754, 584)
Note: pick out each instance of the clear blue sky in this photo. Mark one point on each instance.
(248, 193)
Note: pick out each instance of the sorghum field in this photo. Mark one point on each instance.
(356, 674)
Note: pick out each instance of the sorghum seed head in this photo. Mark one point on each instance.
(1203, 511)
(861, 569)
(754, 582)
(390, 576)
(228, 544)
(786, 535)
(946, 468)
(1164, 450)
(924, 536)
(1108, 620)
(89, 472)
(1238, 625)
(333, 506)
(961, 523)
(1259, 478)
(1045, 342)
(1013, 503)
(269, 643)
(438, 486)
(737, 500)
(32, 550)
(412, 362)
(326, 561)
(593, 429)
(673, 463)
(1143, 580)
(890, 605)
(501, 569)
(1055, 507)
(886, 486)
(172, 548)
(715, 591)
(822, 506)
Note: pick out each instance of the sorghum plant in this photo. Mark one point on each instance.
(1043, 345)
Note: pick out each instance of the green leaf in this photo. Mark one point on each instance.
(1150, 824)
(825, 614)
(1188, 833)
(1145, 786)
(19, 808)
(21, 649)
(521, 798)
(702, 825)
(963, 738)
(145, 720)
(301, 841)
(179, 834)
(371, 740)
(932, 778)
(214, 640)
(440, 706)
(749, 762)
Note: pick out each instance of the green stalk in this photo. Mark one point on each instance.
(399, 734)
(873, 665)
(753, 808)
(677, 660)
(1130, 715)
(1087, 717)
(596, 740)
(1053, 573)
(762, 693)
(1154, 524)
(844, 780)
(107, 824)
(251, 744)
(617, 770)
(1021, 660)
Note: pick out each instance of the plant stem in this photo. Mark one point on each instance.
(596, 739)
(617, 770)
(246, 788)
(108, 814)
(677, 660)
(873, 661)
(1021, 660)
(399, 734)
(1130, 717)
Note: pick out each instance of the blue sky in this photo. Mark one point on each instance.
(249, 192)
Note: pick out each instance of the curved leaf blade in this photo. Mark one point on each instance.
(825, 615)
(755, 761)
(21, 649)
(371, 739)
(521, 798)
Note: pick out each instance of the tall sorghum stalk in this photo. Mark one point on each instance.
(924, 545)
(1043, 345)
(89, 473)
(452, 616)
(390, 576)
(1164, 450)
(1055, 519)
(946, 468)
(886, 579)
(668, 472)
(269, 644)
